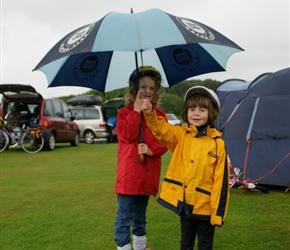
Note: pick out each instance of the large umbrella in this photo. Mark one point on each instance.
(100, 55)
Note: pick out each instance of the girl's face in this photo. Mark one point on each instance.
(197, 116)
(147, 88)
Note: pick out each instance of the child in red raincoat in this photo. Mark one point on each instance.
(137, 178)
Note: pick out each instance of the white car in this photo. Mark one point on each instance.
(172, 119)
(91, 117)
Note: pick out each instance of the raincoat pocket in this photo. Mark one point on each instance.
(171, 191)
(202, 202)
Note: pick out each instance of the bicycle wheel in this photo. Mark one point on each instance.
(4, 140)
(31, 144)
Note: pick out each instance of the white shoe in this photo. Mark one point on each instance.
(139, 242)
(126, 247)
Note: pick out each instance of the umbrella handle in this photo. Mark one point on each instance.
(142, 156)
(142, 159)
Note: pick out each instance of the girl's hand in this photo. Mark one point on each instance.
(144, 149)
(138, 102)
(146, 106)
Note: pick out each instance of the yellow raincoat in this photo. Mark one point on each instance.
(197, 179)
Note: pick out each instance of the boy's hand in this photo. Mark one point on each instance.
(146, 106)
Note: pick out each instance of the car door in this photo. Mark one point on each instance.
(78, 113)
(58, 120)
(95, 121)
(70, 126)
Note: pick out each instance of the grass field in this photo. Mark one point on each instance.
(64, 199)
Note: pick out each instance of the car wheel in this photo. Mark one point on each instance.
(50, 143)
(89, 136)
(76, 141)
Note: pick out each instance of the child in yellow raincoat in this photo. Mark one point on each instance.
(196, 185)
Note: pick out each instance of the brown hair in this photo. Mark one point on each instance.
(202, 101)
(132, 90)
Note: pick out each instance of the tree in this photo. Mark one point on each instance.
(171, 103)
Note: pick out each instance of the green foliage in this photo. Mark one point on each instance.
(171, 103)
(64, 199)
(181, 88)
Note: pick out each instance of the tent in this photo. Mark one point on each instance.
(257, 134)
(230, 93)
(229, 86)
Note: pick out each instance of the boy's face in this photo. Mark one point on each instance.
(197, 116)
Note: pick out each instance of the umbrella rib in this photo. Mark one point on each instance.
(138, 32)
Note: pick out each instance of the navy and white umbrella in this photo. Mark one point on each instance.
(101, 55)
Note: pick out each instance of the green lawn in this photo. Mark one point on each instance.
(64, 199)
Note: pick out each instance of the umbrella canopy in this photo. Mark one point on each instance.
(99, 55)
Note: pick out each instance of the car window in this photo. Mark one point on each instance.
(171, 117)
(110, 112)
(32, 107)
(91, 114)
(10, 107)
(66, 110)
(78, 113)
(57, 109)
(48, 111)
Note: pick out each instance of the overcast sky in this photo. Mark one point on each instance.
(30, 28)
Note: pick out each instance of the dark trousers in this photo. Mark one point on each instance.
(190, 228)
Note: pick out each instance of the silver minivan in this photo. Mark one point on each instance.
(91, 115)
(90, 122)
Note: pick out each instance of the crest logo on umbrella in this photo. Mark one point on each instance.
(184, 59)
(76, 38)
(196, 29)
(87, 66)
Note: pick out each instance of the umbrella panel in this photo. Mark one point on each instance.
(106, 71)
(135, 32)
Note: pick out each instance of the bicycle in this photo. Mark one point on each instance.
(247, 184)
(30, 137)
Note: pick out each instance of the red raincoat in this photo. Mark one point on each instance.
(134, 178)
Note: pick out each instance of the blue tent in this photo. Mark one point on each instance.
(230, 86)
(229, 93)
(257, 135)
